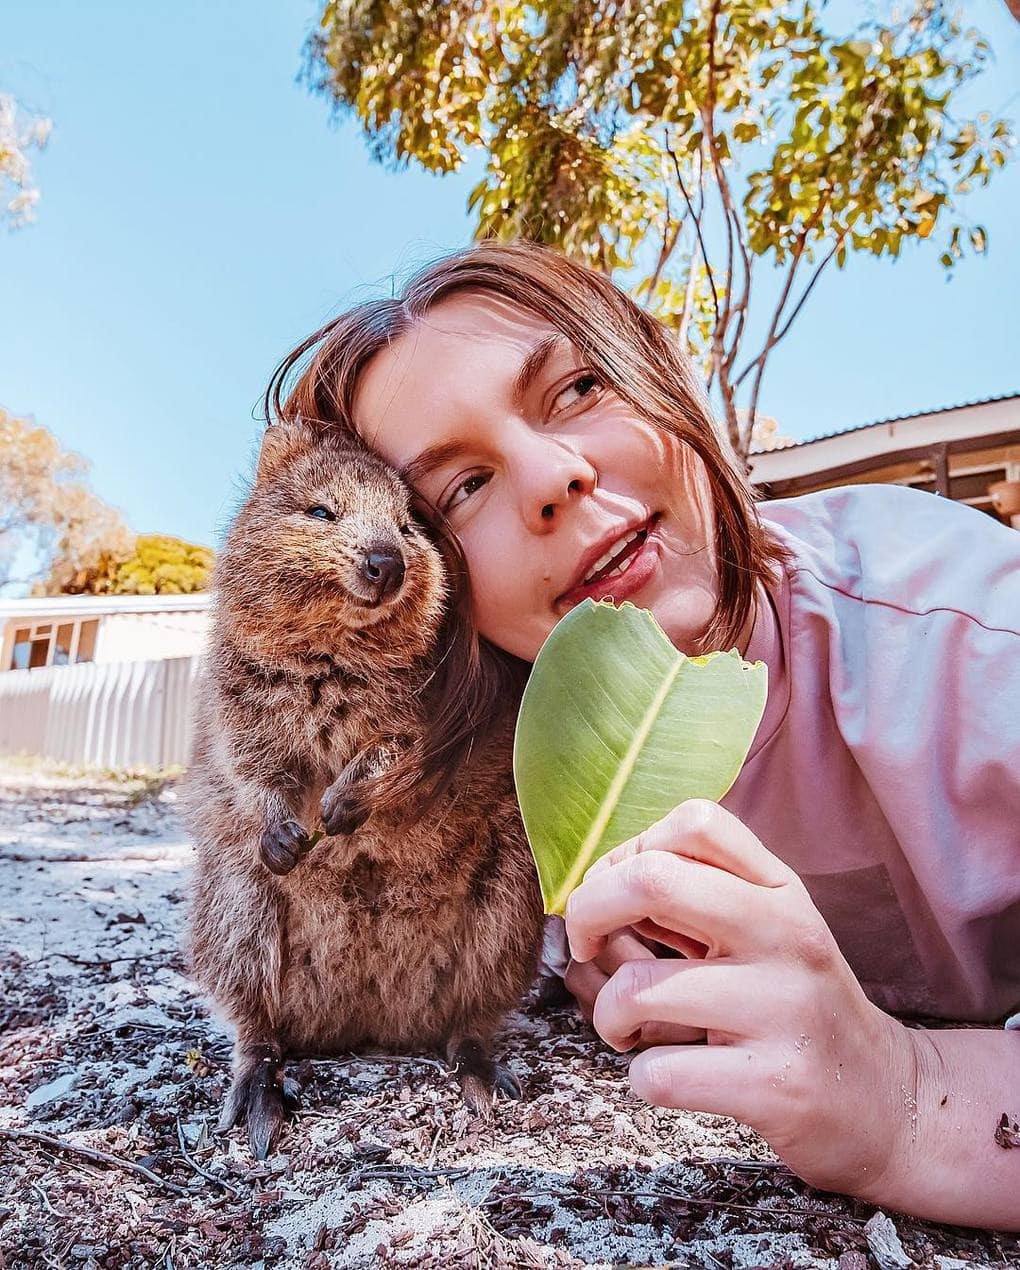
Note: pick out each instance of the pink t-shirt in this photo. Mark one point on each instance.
(886, 770)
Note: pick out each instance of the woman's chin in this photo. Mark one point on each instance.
(684, 624)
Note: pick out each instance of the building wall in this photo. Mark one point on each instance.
(969, 471)
(150, 636)
(958, 452)
(69, 638)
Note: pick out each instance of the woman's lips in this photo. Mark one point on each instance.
(641, 565)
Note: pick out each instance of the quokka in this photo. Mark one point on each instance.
(403, 929)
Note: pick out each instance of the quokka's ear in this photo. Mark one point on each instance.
(281, 441)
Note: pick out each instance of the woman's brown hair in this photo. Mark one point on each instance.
(638, 359)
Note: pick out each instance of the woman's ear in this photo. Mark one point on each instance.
(281, 441)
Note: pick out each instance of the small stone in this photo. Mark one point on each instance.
(52, 1089)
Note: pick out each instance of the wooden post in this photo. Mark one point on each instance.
(940, 461)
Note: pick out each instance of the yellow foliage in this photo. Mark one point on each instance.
(82, 544)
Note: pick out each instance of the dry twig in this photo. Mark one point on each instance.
(209, 1177)
(90, 1153)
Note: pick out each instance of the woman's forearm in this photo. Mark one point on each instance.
(948, 1165)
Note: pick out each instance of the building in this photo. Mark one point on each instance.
(969, 452)
(66, 629)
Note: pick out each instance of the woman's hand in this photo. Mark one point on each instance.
(795, 1049)
(586, 979)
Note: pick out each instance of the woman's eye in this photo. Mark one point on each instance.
(580, 388)
(468, 486)
(320, 512)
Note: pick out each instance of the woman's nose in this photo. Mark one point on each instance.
(555, 479)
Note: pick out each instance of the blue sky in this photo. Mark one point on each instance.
(200, 215)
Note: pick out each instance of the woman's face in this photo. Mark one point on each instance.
(542, 472)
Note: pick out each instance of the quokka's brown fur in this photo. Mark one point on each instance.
(393, 932)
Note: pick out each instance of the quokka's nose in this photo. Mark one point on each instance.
(384, 570)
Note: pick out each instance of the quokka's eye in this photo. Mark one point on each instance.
(407, 531)
(320, 512)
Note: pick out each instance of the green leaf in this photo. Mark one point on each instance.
(616, 728)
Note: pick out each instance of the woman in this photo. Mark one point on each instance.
(867, 861)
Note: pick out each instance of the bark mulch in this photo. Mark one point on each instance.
(112, 1072)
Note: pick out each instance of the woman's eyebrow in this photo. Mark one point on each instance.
(534, 364)
(432, 457)
(435, 456)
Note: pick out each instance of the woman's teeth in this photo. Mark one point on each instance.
(604, 568)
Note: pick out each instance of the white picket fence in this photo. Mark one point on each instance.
(110, 714)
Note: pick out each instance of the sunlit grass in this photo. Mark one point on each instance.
(137, 783)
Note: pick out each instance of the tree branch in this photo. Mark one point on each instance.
(90, 1153)
(685, 314)
(798, 252)
(668, 244)
(697, 225)
(807, 290)
(708, 124)
(776, 336)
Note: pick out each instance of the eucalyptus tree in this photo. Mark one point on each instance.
(682, 146)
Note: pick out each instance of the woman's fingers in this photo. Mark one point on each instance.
(717, 996)
(702, 830)
(585, 980)
(723, 1080)
(622, 946)
(656, 934)
(655, 1033)
(695, 900)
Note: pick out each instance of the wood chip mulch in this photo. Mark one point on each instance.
(112, 1072)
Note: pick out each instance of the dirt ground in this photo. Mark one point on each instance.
(112, 1072)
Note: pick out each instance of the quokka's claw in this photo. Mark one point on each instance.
(265, 1120)
(480, 1078)
(506, 1082)
(260, 1099)
(282, 846)
(342, 813)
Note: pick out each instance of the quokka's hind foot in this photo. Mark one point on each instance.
(260, 1095)
(480, 1077)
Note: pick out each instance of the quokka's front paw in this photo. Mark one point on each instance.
(342, 811)
(283, 845)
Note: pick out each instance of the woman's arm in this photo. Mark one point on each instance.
(849, 1098)
(952, 1169)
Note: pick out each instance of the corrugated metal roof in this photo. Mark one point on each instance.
(793, 443)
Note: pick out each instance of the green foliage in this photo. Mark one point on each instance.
(616, 727)
(158, 565)
(679, 143)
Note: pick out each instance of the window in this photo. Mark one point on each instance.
(87, 640)
(52, 644)
(22, 648)
(63, 648)
(39, 651)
